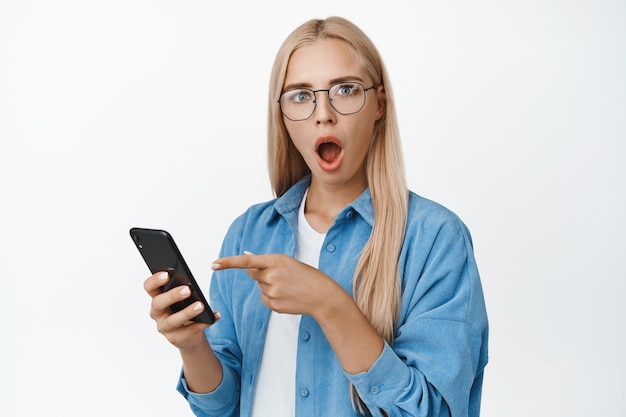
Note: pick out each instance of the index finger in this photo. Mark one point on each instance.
(245, 261)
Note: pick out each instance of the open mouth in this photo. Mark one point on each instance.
(329, 151)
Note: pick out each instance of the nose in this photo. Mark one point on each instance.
(324, 112)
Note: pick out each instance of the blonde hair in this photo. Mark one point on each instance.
(376, 282)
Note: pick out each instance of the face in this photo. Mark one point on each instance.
(333, 145)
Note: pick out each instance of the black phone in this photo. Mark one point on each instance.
(159, 251)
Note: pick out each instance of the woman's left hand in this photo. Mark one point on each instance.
(287, 285)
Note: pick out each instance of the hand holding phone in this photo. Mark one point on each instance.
(159, 251)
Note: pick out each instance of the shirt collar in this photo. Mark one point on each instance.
(290, 202)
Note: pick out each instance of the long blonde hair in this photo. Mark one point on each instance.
(376, 282)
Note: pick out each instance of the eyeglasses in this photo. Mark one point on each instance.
(346, 98)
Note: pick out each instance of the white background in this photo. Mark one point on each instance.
(153, 113)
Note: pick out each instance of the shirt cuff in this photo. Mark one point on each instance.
(215, 402)
(385, 382)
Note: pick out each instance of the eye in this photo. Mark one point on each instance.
(347, 89)
(298, 96)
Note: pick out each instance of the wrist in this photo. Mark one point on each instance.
(335, 302)
(198, 343)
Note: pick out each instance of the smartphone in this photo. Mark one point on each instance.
(159, 251)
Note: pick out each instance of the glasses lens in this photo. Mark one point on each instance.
(298, 104)
(347, 98)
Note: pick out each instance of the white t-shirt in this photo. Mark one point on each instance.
(275, 392)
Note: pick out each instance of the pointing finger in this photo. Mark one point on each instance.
(245, 261)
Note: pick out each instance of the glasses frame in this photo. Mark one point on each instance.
(365, 90)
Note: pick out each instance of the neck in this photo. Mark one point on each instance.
(325, 201)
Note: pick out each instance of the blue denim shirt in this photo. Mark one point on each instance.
(435, 364)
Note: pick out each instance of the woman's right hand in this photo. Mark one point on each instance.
(177, 328)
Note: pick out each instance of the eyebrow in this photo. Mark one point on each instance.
(331, 82)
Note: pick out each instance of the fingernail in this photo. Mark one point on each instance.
(162, 276)
(215, 266)
(248, 253)
(185, 290)
(197, 306)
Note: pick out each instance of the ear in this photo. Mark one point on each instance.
(381, 101)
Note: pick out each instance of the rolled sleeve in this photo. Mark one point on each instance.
(222, 401)
(375, 386)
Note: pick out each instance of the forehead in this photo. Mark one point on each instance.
(321, 62)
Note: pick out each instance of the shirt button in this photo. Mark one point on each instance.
(374, 390)
(330, 248)
(349, 214)
(304, 392)
(306, 336)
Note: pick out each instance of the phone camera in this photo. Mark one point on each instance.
(137, 241)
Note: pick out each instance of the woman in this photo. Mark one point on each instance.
(347, 294)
